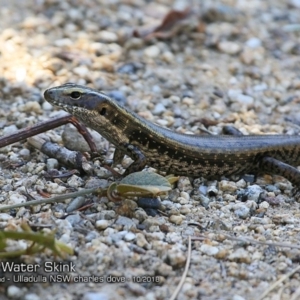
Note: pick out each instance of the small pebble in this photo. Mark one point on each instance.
(253, 42)
(252, 192)
(9, 129)
(102, 224)
(47, 106)
(237, 96)
(137, 289)
(75, 181)
(153, 203)
(209, 250)
(152, 51)
(228, 47)
(127, 223)
(118, 96)
(240, 255)
(185, 195)
(52, 163)
(31, 296)
(74, 219)
(31, 106)
(5, 217)
(203, 189)
(108, 36)
(129, 68)
(129, 237)
(141, 241)
(264, 205)
(158, 109)
(54, 188)
(73, 140)
(204, 201)
(176, 219)
(14, 292)
(96, 296)
(294, 3)
(176, 259)
(237, 297)
(15, 198)
(75, 204)
(25, 153)
(227, 186)
(241, 210)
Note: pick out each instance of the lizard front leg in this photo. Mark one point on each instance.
(139, 158)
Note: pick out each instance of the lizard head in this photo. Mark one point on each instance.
(92, 107)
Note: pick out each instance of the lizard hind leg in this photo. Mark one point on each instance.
(271, 165)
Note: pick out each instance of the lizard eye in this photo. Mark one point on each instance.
(75, 95)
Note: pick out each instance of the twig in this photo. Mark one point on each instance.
(187, 265)
(44, 126)
(276, 283)
(54, 199)
(73, 159)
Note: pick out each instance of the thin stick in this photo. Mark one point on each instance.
(47, 125)
(53, 199)
(276, 283)
(187, 265)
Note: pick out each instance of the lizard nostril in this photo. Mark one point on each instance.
(49, 93)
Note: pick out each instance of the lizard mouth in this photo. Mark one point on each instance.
(50, 95)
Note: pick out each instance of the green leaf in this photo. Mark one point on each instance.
(145, 178)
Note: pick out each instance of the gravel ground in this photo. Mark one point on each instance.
(233, 63)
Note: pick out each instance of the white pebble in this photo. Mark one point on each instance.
(101, 224)
(63, 42)
(10, 129)
(130, 236)
(295, 3)
(52, 163)
(141, 241)
(158, 109)
(14, 292)
(5, 217)
(182, 200)
(264, 204)
(75, 181)
(209, 250)
(47, 106)
(25, 153)
(108, 36)
(16, 198)
(168, 56)
(227, 186)
(229, 47)
(175, 219)
(31, 296)
(240, 255)
(152, 51)
(185, 195)
(31, 106)
(253, 42)
(237, 96)
(54, 188)
(241, 210)
(81, 71)
(237, 297)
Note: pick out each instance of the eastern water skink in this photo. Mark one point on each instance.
(175, 153)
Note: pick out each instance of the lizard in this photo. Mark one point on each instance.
(208, 156)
